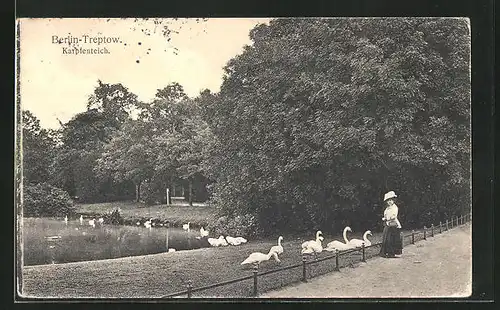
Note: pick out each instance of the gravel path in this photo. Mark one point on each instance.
(438, 267)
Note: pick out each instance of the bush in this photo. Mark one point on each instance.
(242, 225)
(114, 217)
(46, 200)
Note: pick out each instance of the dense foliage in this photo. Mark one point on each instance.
(42, 199)
(320, 117)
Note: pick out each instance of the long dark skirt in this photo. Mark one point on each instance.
(392, 242)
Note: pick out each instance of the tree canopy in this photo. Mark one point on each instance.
(319, 117)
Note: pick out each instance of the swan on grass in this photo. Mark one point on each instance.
(278, 249)
(359, 243)
(232, 240)
(337, 245)
(186, 226)
(241, 239)
(313, 246)
(258, 257)
(217, 241)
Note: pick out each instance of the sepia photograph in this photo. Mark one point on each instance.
(268, 158)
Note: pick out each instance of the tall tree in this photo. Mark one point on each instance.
(38, 145)
(319, 117)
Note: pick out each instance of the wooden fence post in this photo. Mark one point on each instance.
(440, 227)
(425, 233)
(304, 271)
(189, 288)
(412, 237)
(337, 268)
(432, 230)
(363, 259)
(255, 271)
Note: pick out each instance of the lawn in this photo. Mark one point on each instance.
(198, 215)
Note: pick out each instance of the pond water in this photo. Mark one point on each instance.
(52, 241)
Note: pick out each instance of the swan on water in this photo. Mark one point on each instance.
(203, 232)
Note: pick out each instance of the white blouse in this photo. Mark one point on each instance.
(391, 213)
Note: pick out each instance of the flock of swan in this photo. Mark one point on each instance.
(313, 247)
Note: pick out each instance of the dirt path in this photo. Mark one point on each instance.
(438, 267)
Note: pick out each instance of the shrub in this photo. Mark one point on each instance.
(240, 225)
(113, 217)
(46, 200)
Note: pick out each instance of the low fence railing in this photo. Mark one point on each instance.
(413, 237)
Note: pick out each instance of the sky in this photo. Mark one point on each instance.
(55, 84)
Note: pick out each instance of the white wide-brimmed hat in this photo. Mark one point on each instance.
(389, 195)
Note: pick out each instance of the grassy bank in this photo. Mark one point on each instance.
(161, 274)
(133, 211)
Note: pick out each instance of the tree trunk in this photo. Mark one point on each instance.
(190, 193)
(138, 192)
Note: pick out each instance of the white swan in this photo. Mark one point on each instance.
(203, 232)
(213, 241)
(147, 224)
(278, 249)
(222, 241)
(81, 219)
(306, 244)
(186, 226)
(313, 246)
(358, 243)
(101, 220)
(337, 245)
(171, 250)
(258, 257)
(232, 241)
(92, 223)
(241, 239)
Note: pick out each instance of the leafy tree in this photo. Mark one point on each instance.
(319, 117)
(42, 199)
(37, 149)
(83, 139)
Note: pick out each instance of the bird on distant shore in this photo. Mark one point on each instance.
(92, 223)
(186, 226)
(203, 232)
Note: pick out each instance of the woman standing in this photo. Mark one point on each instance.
(392, 243)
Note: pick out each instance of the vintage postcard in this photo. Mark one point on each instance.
(243, 158)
